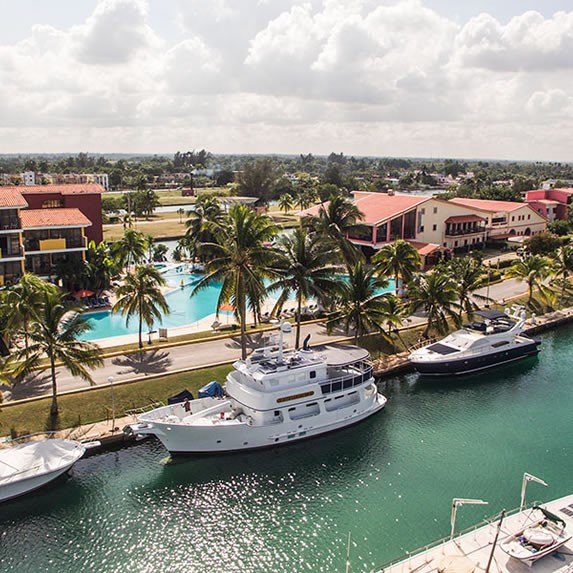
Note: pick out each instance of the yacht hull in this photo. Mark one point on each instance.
(469, 364)
(215, 438)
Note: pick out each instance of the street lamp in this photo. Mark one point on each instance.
(110, 380)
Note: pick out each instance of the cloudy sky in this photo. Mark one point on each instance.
(432, 78)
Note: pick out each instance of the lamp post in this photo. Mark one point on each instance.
(110, 380)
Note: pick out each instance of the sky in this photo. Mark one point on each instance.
(489, 79)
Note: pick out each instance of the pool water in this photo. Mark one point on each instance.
(184, 309)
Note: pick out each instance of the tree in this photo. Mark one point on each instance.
(141, 295)
(286, 202)
(360, 302)
(543, 244)
(55, 334)
(435, 294)
(100, 269)
(399, 260)
(336, 219)
(468, 275)
(22, 302)
(306, 270)
(206, 213)
(563, 266)
(130, 248)
(257, 179)
(559, 228)
(533, 270)
(239, 259)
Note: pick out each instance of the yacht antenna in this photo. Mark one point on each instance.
(527, 478)
(284, 327)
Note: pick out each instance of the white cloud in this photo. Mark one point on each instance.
(364, 76)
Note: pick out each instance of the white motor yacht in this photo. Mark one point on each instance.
(495, 340)
(28, 466)
(273, 397)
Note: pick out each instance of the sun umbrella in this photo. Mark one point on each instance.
(226, 307)
(83, 293)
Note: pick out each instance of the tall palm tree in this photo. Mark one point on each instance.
(395, 312)
(533, 270)
(21, 303)
(100, 268)
(399, 260)
(286, 202)
(306, 270)
(468, 274)
(140, 294)
(563, 266)
(436, 294)
(360, 303)
(55, 334)
(130, 248)
(207, 211)
(239, 259)
(336, 219)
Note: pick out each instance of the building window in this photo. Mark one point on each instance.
(435, 210)
(513, 218)
(529, 216)
(434, 227)
(312, 374)
(52, 203)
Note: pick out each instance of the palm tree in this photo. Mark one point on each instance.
(286, 202)
(437, 295)
(239, 259)
(533, 270)
(361, 304)
(468, 274)
(141, 295)
(207, 211)
(336, 219)
(55, 335)
(399, 260)
(306, 270)
(130, 248)
(395, 312)
(563, 266)
(100, 268)
(22, 301)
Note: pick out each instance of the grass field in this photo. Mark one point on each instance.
(95, 405)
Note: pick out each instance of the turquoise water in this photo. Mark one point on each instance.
(389, 481)
(183, 308)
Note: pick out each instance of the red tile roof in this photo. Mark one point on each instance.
(465, 219)
(11, 197)
(424, 248)
(72, 189)
(39, 218)
(379, 207)
(488, 205)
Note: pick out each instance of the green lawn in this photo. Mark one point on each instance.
(95, 405)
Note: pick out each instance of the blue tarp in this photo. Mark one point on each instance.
(181, 397)
(212, 390)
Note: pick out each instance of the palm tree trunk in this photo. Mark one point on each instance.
(242, 304)
(298, 311)
(54, 406)
(140, 330)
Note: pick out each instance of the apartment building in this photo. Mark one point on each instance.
(552, 203)
(11, 252)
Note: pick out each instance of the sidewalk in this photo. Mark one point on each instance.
(189, 356)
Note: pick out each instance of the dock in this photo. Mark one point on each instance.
(470, 550)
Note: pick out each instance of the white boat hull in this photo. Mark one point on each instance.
(27, 467)
(223, 437)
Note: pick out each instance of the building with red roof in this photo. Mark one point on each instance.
(43, 225)
(553, 203)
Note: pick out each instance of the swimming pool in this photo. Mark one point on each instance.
(183, 309)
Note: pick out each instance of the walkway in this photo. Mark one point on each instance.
(201, 354)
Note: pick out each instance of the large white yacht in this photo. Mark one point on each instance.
(272, 398)
(495, 340)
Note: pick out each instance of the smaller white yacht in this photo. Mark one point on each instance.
(28, 466)
(273, 397)
(497, 339)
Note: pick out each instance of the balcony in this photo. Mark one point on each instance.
(59, 244)
(464, 232)
(13, 253)
(10, 224)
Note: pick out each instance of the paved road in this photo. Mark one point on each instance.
(184, 357)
